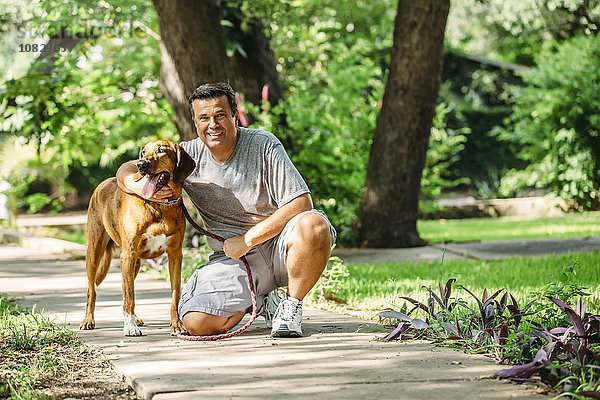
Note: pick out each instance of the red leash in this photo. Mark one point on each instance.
(187, 336)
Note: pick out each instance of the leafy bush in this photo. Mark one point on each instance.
(75, 125)
(556, 121)
(330, 140)
(567, 354)
(445, 144)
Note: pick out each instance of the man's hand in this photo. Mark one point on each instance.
(236, 247)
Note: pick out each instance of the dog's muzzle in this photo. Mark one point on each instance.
(143, 166)
(155, 183)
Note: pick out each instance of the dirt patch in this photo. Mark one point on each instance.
(65, 373)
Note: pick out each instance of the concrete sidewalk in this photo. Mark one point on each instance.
(337, 358)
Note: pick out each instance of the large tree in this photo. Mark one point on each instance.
(194, 51)
(390, 204)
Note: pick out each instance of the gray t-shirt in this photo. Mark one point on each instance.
(255, 181)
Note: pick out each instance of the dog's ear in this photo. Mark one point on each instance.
(185, 165)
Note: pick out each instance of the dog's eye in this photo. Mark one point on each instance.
(160, 149)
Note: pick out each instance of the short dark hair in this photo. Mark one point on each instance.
(214, 91)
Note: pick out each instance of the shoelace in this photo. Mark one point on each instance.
(288, 310)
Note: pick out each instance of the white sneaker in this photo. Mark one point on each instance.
(269, 306)
(287, 321)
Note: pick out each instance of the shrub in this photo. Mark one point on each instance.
(557, 121)
(565, 354)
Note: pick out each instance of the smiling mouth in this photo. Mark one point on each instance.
(155, 183)
(215, 134)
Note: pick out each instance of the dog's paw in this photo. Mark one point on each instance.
(87, 324)
(129, 326)
(138, 321)
(132, 331)
(177, 327)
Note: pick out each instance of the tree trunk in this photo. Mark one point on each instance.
(193, 51)
(390, 204)
(251, 73)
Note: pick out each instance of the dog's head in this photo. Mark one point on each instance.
(163, 163)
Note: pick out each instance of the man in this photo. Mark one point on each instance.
(246, 190)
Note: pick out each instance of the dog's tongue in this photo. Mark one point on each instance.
(150, 187)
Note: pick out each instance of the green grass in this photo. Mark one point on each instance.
(373, 287)
(68, 234)
(29, 343)
(474, 229)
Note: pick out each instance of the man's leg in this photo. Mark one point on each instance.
(216, 296)
(199, 324)
(309, 248)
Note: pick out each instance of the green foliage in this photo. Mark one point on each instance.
(517, 31)
(334, 88)
(478, 100)
(332, 281)
(527, 33)
(97, 105)
(28, 343)
(444, 148)
(563, 287)
(192, 260)
(556, 120)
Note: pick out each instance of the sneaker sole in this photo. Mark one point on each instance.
(284, 331)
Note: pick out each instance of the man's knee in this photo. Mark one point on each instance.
(312, 229)
(200, 324)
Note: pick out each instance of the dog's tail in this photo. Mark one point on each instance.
(105, 262)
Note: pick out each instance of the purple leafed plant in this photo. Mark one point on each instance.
(570, 353)
(565, 356)
(406, 322)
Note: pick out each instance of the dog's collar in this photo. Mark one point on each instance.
(172, 202)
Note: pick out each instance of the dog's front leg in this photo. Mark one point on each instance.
(128, 272)
(175, 259)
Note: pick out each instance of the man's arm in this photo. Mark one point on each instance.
(127, 184)
(125, 178)
(272, 226)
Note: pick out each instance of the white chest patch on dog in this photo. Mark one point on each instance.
(155, 244)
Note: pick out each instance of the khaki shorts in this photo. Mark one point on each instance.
(221, 286)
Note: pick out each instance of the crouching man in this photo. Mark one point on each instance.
(246, 190)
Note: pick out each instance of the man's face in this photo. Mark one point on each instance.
(216, 126)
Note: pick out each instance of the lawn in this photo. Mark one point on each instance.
(473, 229)
(372, 287)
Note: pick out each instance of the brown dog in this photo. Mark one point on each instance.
(142, 228)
